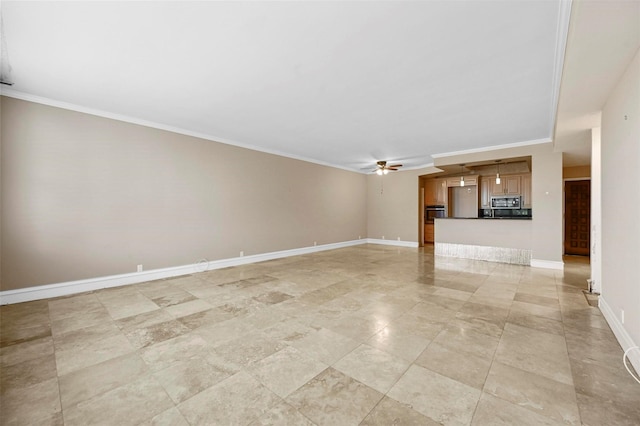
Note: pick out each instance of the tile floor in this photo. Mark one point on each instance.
(369, 335)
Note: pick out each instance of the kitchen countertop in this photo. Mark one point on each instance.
(487, 218)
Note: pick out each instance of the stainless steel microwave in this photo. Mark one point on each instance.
(505, 202)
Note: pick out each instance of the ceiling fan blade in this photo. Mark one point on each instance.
(395, 165)
(392, 169)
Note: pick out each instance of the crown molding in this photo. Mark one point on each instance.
(12, 93)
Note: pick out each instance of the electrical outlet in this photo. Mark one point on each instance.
(398, 238)
(622, 316)
(241, 253)
(139, 268)
(383, 237)
(315, 243)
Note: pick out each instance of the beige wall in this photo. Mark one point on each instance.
(392, 205)
(514, 234)
(576, 172)
(620, 166)
(85, 196)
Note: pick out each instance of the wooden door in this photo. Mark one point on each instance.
(577, 217)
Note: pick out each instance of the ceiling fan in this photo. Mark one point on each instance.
(383, 169)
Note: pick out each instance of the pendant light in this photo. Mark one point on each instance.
(498, 174)
(461, 176)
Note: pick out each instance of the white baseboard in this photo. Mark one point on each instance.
(621, 334)
(547, 264)
(411, 244)
(73, 287)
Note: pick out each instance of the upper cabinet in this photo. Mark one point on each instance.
(526, 191)
(468, 180)
(435, 191)
(509, 185)
(485, 192)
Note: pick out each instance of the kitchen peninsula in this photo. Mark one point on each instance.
(493, 240)
(480, 216)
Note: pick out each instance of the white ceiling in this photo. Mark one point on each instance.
(603, 38)
(339, 83)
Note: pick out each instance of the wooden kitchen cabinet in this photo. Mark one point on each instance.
(526, 191)
(468, 181)
(442, 191)
(429, 234)
(435, 192)
(509, 185)
(485, 192)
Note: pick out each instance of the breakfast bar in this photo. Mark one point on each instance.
(494, 240)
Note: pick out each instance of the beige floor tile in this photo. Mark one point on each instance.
(240, 399)
(391, 412)
(534, 392)
(80, 320)
(539, 310)
(170, 417)
(375, 368)
(36, 404)
(89, 382)
(183, 379)
(14, 335)
(462, 338)
(325, 345)
(438, 397)
(606, 382)
(14, 354)
(176, 297)
(535, 351)
(27, 373)
(188, 308)
(89, 346)
(596, 411)
(181, 348)
(126, 304)
(332, 398)
(132, 403)
(282, 414)
(249, 349)
(497, 412)
(397, 341)
(535, 322)
(73, 305)
(286, 370)
(464, 367)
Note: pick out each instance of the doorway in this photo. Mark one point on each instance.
(577, 217)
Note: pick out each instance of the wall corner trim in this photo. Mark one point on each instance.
(619, 331)
(547, 264)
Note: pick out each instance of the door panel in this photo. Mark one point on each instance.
(577, 216)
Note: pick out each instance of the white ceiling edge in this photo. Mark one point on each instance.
(564, 20)
(146, 123)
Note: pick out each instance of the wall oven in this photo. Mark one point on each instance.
(434, 211)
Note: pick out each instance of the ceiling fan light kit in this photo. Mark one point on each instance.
(383, 169)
